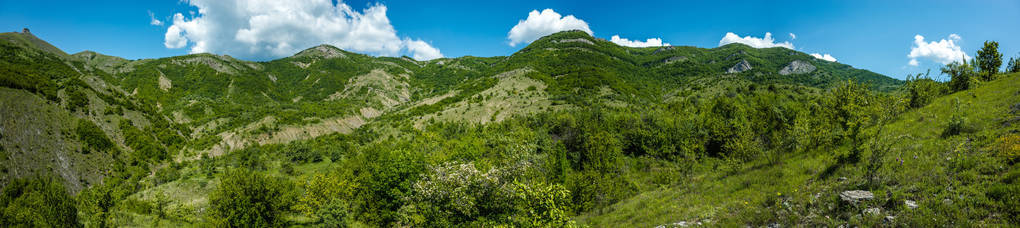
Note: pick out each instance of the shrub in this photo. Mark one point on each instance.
(92, 137)
(1009, 147)
(245, 198)
(166, 175)
(76, 99)
(922, 90)
(962, 75)
(957, 123)
(37, 202)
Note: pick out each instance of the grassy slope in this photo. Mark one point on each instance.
(933, 169)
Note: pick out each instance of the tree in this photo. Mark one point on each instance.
(960, 74)
(37, 202)
(95, 204)
(1013, 65)
(326, 196)
(245, 198)
(989, 60)
(849, 102)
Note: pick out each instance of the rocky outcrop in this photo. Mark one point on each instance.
(674, 59)
(797, 67)
(662, 49)
(581, 40)
(856, 196)
(910, 204)
(742, 66)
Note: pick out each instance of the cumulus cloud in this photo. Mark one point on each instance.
(267, 29)
(153, 20)
(650, 42)
(793, 36)
(825, 57)
(539, 24)
(755, 42)
(944, 51)
(422, 50)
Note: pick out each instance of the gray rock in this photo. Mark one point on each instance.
(910, 204)
(873, 211)
(797, 67)
(662, 49)
(674, 59)
(678, 224)
(580, 40)
(856, 196)
(742, 66)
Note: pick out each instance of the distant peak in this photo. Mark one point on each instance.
(25, 31)
(324, 51)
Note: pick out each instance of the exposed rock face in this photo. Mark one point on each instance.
(675, 59)
(797, 67)
(742, 66)
(856, 196)
(164, 83)
(582, 40)
(662, 49)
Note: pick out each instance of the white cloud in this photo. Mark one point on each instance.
(943, 51)
(539, 24)
(825, 57)
(153, 20)
(422, 50)
(755, 42)
(793, 36)
(265, 29)
(650, 42)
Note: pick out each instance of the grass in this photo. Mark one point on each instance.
(947, 176)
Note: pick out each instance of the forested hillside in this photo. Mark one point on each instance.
(571, 130)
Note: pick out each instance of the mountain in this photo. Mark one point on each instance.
(576, 126)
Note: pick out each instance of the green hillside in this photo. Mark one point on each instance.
(571, 130)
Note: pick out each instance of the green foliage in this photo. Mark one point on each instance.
(245, 198)
(145, 147)
(1013, 65)
(1007, 195)
(922, 90)
(166, 175)
(541, 205)
(327, 196)
(989, 60)
(851, 102)
(957, 122)
(37, 202)
(39, 72)
(96, 203)
(92, 138)
(962, 75)
(77, 99)
(334, 214)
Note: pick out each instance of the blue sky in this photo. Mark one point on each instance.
(874, 35)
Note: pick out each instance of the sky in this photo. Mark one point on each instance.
(895, 38)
